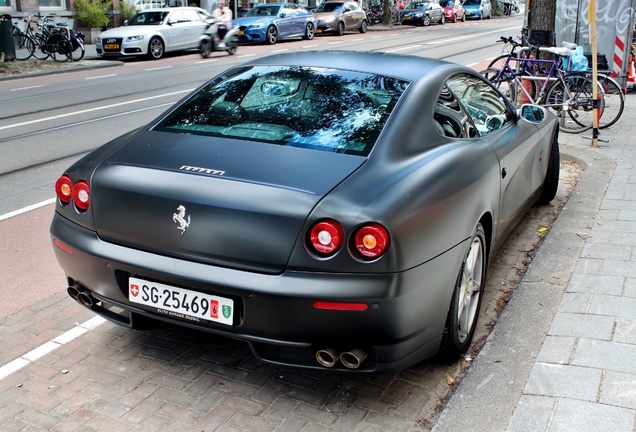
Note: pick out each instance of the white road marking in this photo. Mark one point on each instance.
(28, 88)
(100, 77)
(93, 109)
(47, 347)
(26, 209)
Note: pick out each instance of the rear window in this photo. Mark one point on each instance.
(321, 109)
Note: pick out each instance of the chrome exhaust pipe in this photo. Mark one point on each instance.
(354, 358)
(73, 291)
(327, 357)
(85, 298)
(80, 295)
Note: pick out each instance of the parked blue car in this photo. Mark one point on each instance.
(479, 9)
(271, 22)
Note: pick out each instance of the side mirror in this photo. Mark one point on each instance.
(283, 15)
(531, 113)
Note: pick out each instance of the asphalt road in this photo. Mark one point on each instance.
(47, 122)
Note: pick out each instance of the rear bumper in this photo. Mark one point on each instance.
(276, 314)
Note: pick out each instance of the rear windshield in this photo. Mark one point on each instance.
(322, 109)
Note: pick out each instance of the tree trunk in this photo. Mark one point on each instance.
(386, 12)
(541, 20)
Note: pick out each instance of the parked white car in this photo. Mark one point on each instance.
(154, 32)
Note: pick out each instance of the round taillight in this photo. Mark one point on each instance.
(64, 189)
(82, 195)
(371, 240)
(326, 237)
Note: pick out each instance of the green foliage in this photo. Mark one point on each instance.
(92, 13)
(127, 10)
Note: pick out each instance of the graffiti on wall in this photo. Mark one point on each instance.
(613, 18)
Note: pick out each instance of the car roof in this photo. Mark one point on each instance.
(412, 68)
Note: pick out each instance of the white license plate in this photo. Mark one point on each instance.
(181, 303)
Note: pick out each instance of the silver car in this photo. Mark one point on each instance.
(154, 32)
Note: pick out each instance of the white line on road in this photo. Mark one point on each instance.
(403, 48)
(28, 88)
(26, 209)
(158, 68)
(93, 109)
(100, 77)
(47, 347)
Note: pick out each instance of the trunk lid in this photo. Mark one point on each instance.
(225, 202)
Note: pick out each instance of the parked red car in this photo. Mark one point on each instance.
(454, 10)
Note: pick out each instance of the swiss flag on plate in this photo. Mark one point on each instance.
(134, 290)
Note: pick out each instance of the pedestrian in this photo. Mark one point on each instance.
(401, 4)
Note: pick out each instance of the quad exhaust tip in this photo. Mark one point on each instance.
(351, 359)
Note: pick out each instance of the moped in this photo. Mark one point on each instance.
(217, 37)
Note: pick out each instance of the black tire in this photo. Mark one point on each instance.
(613, 101)
(156, 48)
(340, 29)
(363, 26)
(442, 20)
(271, 35)
(24, 46)
(78, 49)
(310, 31)
(455, 18)
(551, 181)
(63, 50)
(233, 46)
(38, 53)
(467, 294)
(464, 18)
(206, 48)
(426, 20)
(576, 93)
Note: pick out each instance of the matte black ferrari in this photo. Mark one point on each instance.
(332, 209)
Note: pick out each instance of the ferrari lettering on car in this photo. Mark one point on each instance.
(202, 170)
(362, 198)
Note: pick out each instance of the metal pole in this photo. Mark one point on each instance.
(591, 13)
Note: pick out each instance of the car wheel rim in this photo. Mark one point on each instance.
(310, 31)
(156, 48)
(470, 289)
(271, 35)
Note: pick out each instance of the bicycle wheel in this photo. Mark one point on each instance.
(63, 50)
(571, 100)
(38, 52)
(613, 101)
(78, 49)
(503, 81)
(499, 61)
(24, 45)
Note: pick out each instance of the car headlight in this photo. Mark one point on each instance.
(134, 38)
(257, 26)
(328, 19)
(419, 15)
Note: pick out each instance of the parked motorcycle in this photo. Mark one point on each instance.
(217, 37)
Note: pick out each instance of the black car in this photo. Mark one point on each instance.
(332, 209)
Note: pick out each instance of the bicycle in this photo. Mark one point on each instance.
(50, 41)
(613, 95)
(24, 45)
(569, 96)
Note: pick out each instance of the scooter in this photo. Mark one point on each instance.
(217, 37)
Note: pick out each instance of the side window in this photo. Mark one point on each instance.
(450, 118)
(484, 104)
